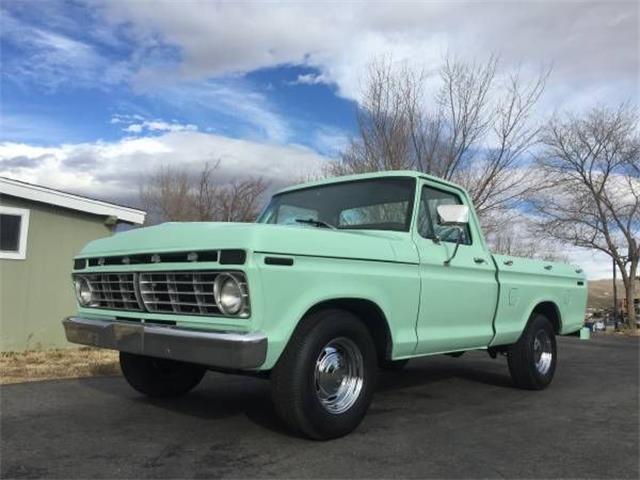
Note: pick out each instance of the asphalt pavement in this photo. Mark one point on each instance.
(441, 417)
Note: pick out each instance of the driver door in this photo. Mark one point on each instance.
(457, 301)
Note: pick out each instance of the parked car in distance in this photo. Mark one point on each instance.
(336, 279)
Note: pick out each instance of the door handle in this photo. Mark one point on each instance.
(508, 263)
(479, 260)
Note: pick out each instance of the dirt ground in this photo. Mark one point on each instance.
(17, 367)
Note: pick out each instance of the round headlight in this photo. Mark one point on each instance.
(84, 293)
(228, 294)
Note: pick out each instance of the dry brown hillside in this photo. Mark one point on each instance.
(601, 293)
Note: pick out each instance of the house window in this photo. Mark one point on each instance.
(14, 226)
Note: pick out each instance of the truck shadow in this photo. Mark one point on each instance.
(422, 373)
(221, 396)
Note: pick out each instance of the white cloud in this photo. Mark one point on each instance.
(519, 234)
(133, 128)
(596, 264)
(231, 99)
(592, 45)
(113, 170)
(310, 79)
(155, 126)
(160, 126)
(231, 103)
(330, 141)
(51, 59)
(338, 41)
(126, 118)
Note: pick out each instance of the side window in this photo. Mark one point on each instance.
(428, 222)
(14, 225)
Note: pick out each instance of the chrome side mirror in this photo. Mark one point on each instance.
(454, 215)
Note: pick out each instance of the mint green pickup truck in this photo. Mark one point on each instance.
(336, 279)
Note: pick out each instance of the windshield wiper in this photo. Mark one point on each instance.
(315, 223)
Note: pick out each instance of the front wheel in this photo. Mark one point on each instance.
(532, 360)
(323, 383)
(160, 377)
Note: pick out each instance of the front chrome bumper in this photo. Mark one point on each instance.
(222, 350)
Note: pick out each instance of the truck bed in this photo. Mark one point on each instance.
(525, 283)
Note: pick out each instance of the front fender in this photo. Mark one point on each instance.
(289, 291)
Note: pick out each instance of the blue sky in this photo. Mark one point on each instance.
(64, 116)
(82, 72)
(42, 88)
(96, 93)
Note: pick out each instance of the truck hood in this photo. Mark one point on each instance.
(280, 239)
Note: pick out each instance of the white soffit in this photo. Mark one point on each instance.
(38, 193)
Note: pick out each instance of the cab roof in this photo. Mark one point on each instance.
(366, 176)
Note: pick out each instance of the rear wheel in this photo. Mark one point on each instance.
(323, 383)
(532, 360)
(160, 377)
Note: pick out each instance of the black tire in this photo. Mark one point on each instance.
(159, 377)
(393, 365)
(294, 388)
(528, 368)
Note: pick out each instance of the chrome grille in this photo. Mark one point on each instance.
(179, 292)
(116, 291)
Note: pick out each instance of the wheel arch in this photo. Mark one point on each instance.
(371, 315)
(550, 310)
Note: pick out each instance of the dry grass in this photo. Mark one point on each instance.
(16, 367)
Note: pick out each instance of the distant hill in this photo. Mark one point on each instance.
(601, 293)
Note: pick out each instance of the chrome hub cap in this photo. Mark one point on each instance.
(542, 352)
(339, 375)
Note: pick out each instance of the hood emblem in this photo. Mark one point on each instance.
(155, 258)
(192, 257)
(101, 261)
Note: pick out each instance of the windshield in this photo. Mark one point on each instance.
(376, 204)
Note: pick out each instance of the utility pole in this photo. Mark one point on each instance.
(615, 295)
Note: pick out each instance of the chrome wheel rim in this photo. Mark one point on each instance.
(339, 375)
(542, 352)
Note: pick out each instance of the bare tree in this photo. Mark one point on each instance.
(592, 200)
(239, 201)
(474, 131)
(519, 239)
(386, 110)
(173, 194)
(167, 195)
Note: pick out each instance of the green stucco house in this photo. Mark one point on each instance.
(41, 230)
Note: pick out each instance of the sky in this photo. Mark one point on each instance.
(95, 94)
